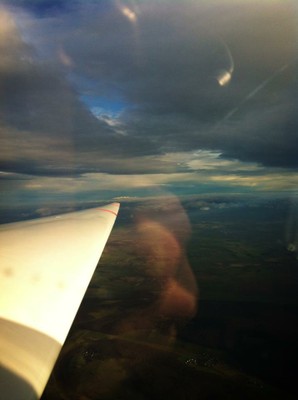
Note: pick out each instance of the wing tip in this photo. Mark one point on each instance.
(115, 206)
(112, 208)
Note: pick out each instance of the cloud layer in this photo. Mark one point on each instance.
(132, 88)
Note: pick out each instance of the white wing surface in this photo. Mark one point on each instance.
(45, 267)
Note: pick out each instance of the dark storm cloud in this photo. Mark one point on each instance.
(41, 7)
(268, 136)
(44, 128)
(163, 67)
(169, 60)
(166, 65)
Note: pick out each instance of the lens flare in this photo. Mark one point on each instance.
(225, 75)
(224, 78)
(129, 14)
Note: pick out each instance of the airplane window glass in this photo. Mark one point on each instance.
(186, 113)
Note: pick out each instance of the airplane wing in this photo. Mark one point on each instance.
(45, 267)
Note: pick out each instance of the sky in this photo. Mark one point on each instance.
(103, 99)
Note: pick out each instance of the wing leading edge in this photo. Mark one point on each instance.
(45, 268)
